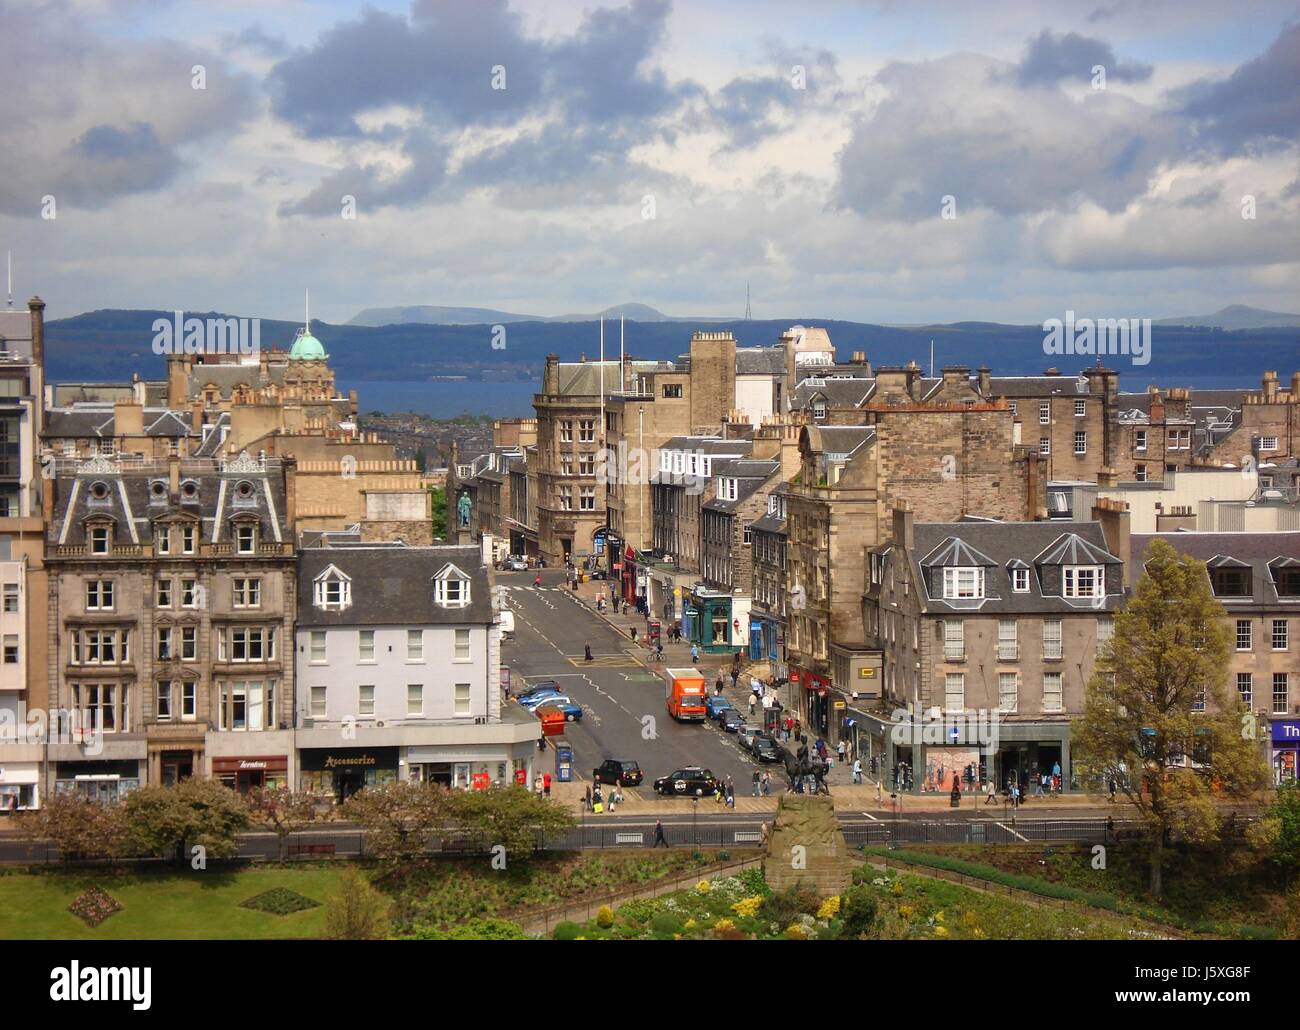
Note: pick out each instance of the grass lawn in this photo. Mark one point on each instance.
(186, 905)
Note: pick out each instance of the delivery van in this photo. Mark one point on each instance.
(507, 624)
(684, 693)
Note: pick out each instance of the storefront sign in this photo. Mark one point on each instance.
(350, 758)
(1286, 731)
(257, 763)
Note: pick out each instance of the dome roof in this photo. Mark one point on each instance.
(307, 348)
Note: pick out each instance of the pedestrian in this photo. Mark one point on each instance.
(857, 770)
(537, 580)
(879, 792)
(717, 686)
(659, 835)
(992, 794)
(1113, 788)
(839, 750)
(735, 676)
(752, 701)
(766, 833)
(659, 650)
(767, 784)
(546, 784)
(586, 799)
(587, 652)
(758, 778)
(695, 654)
(631, 632)
(537, 785)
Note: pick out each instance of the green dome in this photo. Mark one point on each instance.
(307, 348)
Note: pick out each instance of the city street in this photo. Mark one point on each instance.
(624, 715)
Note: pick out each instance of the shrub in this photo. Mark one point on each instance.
(748, 907)
(280, 901)
(357, 912)
(752, 880)
(858, 911)
(797, 932)
(566, 931)
(787, 905)
(665, 925)
(469, 930)
(605, 917)
(829, 908)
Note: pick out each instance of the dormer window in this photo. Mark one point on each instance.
(963, 583)
(1084, 581)
(1230, 581)
(245, 539)
(451, 588)
(333, 590)
(1286, 578)
(727, 488)
(1020, 581)
(100, 540)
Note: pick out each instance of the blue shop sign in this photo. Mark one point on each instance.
(1286, 731)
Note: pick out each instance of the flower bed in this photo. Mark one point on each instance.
(93, 906)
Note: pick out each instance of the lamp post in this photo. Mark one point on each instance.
(695, 814)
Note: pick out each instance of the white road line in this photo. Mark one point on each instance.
(1012, 832)
(871, 817)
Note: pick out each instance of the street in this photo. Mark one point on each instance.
(624, 715)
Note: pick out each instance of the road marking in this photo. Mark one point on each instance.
(602, 661)
(1012, 832)
(871, 817)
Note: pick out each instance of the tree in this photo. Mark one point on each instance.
(283, 811)
(509, 816)
(357, 912)
(1277, 834)
(1158, 718)
(438, 509)
(399, 819)
(204, 813)
(79, 827)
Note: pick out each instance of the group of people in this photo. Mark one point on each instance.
(762, 783)
(594, 799)
(726, 793)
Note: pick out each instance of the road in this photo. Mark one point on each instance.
(623, 703)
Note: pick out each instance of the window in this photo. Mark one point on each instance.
(164, 643)
(566, 431)
(1198, 701)
(189, 700)
(333, 590)
(1044, 445)
(954, 640)
(189, 643)
(1051, 638)
(1180, 439)
(248, 593)
(1140, 440)
(1230, 581)
(11, 649)
(462, 645)
(1008, 645)
(1279, 635)
(586, 464)
(99, 595)
(163, 540)
(189, 594)
(248, 706)
(252, 644)
(245, 539)
(1084, 581)
(100, 647)
(188, 536)
(100, 703)
(819, 409)
(672, 390)
(726, 490)
(99, 540)
(366, 700)
(10, 598)
(1280, 693)
(1140, 473)
(451, 591)
(164, 593)
(1052, 692)
(587, 498)
(1105, 632)
(963, 582)
(1245, 637)
(414, 699)
(1008, 691)
(318, 708)
(566, 498)
(587, 430)
(566, 464)
(1020, 581)
(366, 645)
(954, 692)
(318, 646)
(1045, 414)
(1286, 580)
(1246, 688)
(163, 702)
(1080, 409)
(462, 699)
(1080, 443)
(414, 645)
(1268, 443)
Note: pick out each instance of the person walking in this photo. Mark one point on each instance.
(695, 654)
(767, 784)
(1113, 788)
(537, 580)
(546, 784)
(717, 685)
(586, 652)
(586, 799)
(857, 770)
(631, 632)
(659, 835)
(840, 749)
(758, 777)
(752, 701)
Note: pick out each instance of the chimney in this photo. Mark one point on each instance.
(36, 307)
(174, 475)
(1270, 387)
(1106, 476)
(904, 526)
(1114, 518)
(1157, 413)
(956, 375)
(196, 417)
(986, 381)
(1295, 387)
(551, 375)
(290, 496)
(128, 419)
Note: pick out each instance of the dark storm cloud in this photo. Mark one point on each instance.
(749, 109)
(108, 161)
(1050, 59)
(256, 40)
(1256, 107)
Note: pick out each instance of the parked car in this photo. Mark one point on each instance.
(516, 565)
(533, 703)
(715, 705)
(570, 711)
(689, 782)
(539, 689)
(615, 770)
(765, 749)
(730, 721)
(746, 734)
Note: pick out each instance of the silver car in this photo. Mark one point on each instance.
(746, 734)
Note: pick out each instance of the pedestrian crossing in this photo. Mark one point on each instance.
(603, 661)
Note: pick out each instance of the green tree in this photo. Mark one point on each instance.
(438, 506)
(79, 827)
(1158, 717)
(399, 819)
(283, 812)
(510, 816)
(1277, 834)
(204, 813)
(357, 912)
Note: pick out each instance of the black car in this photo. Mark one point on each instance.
(764, 749)
(730, 720)
(614, 770)
(689, 782)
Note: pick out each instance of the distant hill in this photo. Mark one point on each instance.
(1235, 316)
(427, 314)
(114, 344)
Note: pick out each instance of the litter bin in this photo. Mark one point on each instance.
(563, 760)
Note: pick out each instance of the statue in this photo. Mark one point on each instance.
(463, 506)
(800, 765)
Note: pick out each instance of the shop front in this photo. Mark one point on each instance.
(814, 702)
(868, 736)
(106, 782)
(252, 772)
(1286, 750)
(469, 768)
(341, 772)
(766, 633)
(707, 621)
(19, 786)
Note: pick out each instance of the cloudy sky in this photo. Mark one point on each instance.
(660, 152)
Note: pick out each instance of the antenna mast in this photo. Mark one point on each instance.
(9, 259)
(747, 311)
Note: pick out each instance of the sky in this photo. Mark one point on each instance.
(885, 161)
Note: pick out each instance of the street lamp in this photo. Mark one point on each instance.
(695, 813)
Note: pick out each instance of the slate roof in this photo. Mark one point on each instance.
(392, 585)
(752, 361)
(1257, 550)
(750, 473)
(84, 421)
(845, 439)
(839, 393)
